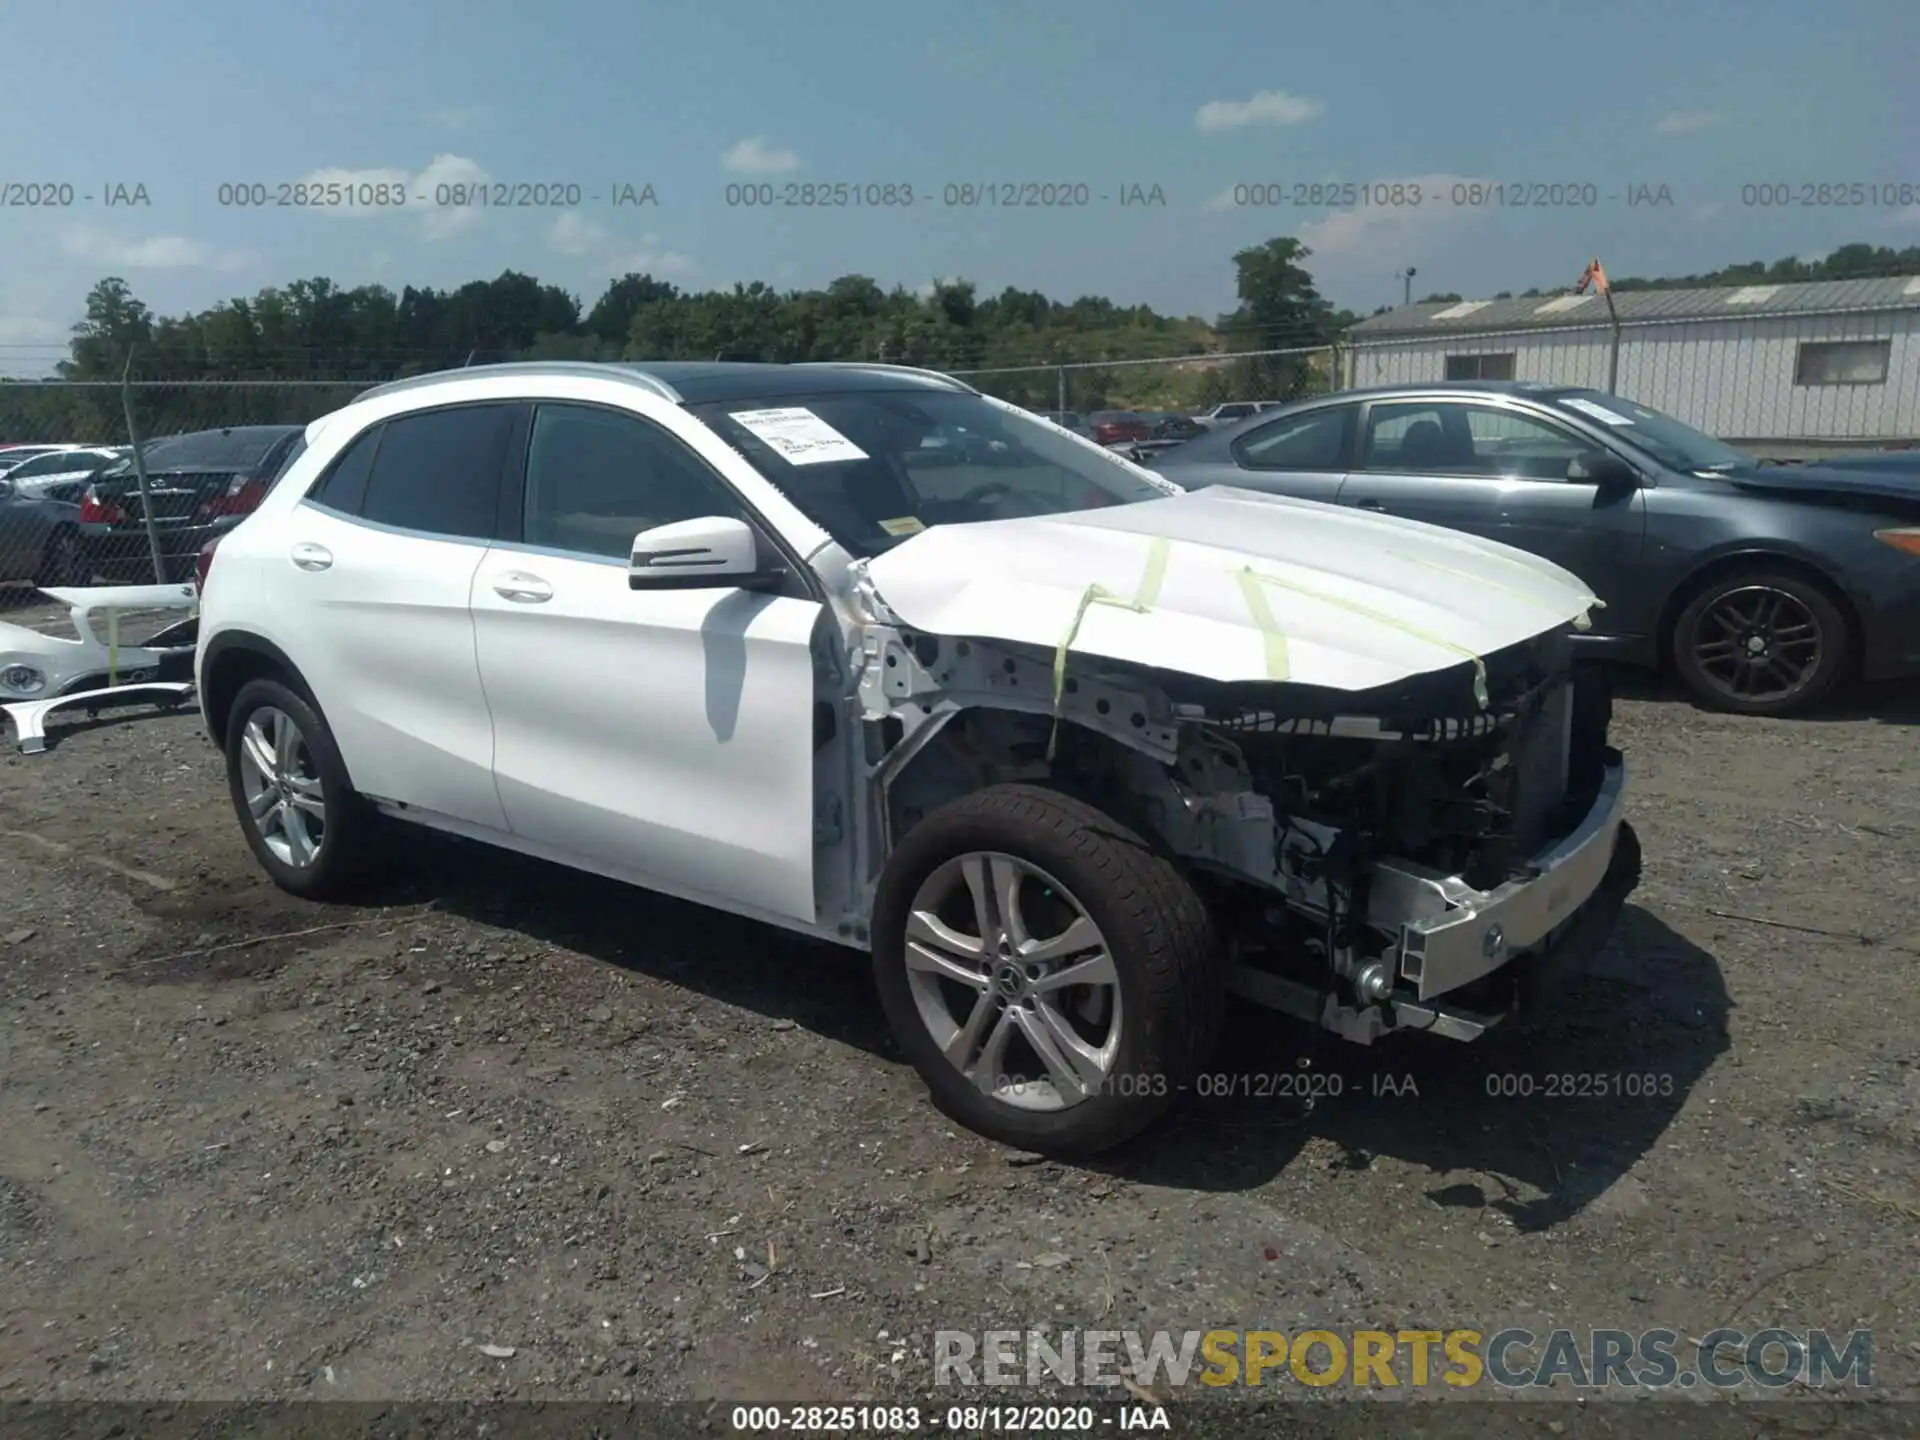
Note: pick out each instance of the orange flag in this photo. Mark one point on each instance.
(1593, 275)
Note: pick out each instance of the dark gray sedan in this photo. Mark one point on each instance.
(1761, 586)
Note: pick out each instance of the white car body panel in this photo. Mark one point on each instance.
(386, 641)
(62, 661)
(692, 765)
(1360, 600)
(419, 650)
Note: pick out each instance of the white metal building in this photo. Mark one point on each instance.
(1833, 364)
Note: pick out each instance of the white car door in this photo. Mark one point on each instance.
(661, 735)
(380, 559)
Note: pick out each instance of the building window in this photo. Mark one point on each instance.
(1480, 367)
(1843, 362)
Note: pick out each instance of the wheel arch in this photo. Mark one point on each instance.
(1719, 567)
(232, 659)
(955, 763)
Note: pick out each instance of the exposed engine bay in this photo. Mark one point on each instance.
(1374, 861)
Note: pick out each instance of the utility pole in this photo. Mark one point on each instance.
(1406, 281)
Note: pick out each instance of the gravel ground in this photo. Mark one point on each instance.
(508, 1132)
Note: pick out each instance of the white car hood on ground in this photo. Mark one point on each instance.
(1232, 585)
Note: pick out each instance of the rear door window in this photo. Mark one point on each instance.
(440, 472)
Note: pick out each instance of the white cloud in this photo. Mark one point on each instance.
(423, 189)
(927, 291)
(650, 259)
(1908, 216)
(574, 234)
(442, 222)
(1223, 201)
(1390, 232)
(1707, 211)
(1269, 107)
(754, 156)
(1687, 122)
(156, 252)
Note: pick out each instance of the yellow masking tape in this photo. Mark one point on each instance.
(1156, 572)
(1278, 666)
(1250, 581)
(1144, 598)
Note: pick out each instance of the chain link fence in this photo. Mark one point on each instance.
(77, 507)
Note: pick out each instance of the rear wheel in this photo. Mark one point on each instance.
(1761, 642)
(1053, 979)
(302, 819)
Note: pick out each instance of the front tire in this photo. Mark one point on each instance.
(1054, 980)
(302, 819)
(1761, 642)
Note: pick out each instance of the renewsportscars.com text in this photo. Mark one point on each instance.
(1511, 1359)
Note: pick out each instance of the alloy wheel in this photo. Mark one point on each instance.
(1758, 643)
(285, 802)
(1014, 982)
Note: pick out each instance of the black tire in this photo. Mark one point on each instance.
(1155, 927)
(344, 849)
(1816, 647)
(61, 562)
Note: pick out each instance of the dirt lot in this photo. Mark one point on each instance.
(254, 1148)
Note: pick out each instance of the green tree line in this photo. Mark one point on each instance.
(314, 330)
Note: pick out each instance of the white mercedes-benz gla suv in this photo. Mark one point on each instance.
(858, 651)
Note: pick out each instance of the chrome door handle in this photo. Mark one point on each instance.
(309, 556)
(1370, 505)
(520, 586)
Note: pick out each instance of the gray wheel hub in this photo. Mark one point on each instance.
(286, 804)
(1014, 982)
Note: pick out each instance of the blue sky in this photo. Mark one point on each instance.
(1702, 97)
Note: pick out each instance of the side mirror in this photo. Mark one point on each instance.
(1603, 470)
(714, 552)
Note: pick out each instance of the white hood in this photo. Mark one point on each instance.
(1232, 585)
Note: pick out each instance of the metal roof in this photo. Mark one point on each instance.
(1637, 307)
(694, 381)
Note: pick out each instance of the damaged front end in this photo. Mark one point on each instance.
(1433, 861)
(1416, 857)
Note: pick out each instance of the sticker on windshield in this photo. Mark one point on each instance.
(1598, 412)
(905, 525)
(799, 436)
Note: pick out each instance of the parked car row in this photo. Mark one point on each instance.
(72, 515)
(1761, 586)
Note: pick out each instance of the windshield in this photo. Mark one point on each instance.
(874, 467)
(1673, 443)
